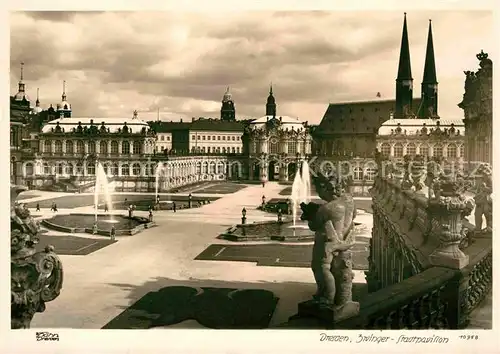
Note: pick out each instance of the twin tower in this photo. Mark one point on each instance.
(428, 107)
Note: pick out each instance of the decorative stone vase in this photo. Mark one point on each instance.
(36, 277)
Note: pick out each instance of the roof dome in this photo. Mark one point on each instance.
(21, 95)
(37, 109)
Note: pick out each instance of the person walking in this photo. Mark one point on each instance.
(112, 233)
(174, 207)
(106, 208)
(37, 206)
(55, 207)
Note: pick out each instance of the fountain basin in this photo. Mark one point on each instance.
(83, 223)
(273, 205)
(269, 231)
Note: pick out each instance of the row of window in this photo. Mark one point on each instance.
(112, 169)
(411, 149)
(162, 137)
(219, 137)
(79, 147)
(274, 148)
(216, 150)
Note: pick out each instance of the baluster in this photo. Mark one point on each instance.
(422, 316)
(412, 321)
(442, 322)
(401, 320)
(390, 320)
(434, 309)
(379, 323)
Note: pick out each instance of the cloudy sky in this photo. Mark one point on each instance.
(181, 63)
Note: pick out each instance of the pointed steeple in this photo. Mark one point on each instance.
(37, 102)
(64, 91)
(429, 102)
(430, 63)
(21, 80)
(404, 69)
(271, 103)
(404, 81)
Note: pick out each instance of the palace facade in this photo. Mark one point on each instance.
(477, 104)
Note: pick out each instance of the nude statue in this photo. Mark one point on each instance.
(332, 259)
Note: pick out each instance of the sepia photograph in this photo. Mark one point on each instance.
(275, 170)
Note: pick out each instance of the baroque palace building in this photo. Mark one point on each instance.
(276, 145)
(477, 104)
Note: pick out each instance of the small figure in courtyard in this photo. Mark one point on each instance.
(280, 216)
(106, 208)
(130, 211)
(190, 198)
(263, 184)
(174, 207)
(55, 208)
(484, 201)
(112, 233)
(37, 206)
(263, 200)
(157, 199)
(150, 215)
(331, 263)
(125, 202)
(94, 228)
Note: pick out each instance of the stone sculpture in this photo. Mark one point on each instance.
(36, 277)
(331, 262)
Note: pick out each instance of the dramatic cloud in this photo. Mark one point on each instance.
(181, 63)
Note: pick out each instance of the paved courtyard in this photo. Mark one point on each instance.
(100, 285)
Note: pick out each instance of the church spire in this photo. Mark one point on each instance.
(429, 103)
(271, 103)
(404, 81)
(227, 110)
(64, 91)
(37, 102)
(21, 82)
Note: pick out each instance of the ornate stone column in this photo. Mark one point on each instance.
(36, 277)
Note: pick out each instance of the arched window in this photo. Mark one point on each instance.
(411, 149)
(212, 167)
(103, 147)
(69, 147)
(60, 168)
(114, 169)
(424, 150)
(273, 146)
(46, 168)
(47, 146)
(69, 169)
(223, 149)
(105, 167)
(125, 147)
(398, 150)
(125, 170)
(58, 146)
(91, 147)
(358, 173)
(292, 147)
(438, 150)
(385, 149)
(136, 169)
(205, 167)
(114, 147)
(220, 168)
(451, 151)
(91, 168)
(461, 151)
(79, 168)
(80, 147)
(29, 169)
(137, 147)
(198, 168)
(370, 173)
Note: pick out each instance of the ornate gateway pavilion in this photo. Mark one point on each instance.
(277, 146)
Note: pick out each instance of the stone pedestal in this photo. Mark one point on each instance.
(329, 314)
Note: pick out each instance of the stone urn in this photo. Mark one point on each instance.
(36, 277)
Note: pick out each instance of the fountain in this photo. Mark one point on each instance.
(301, 190)
(158, 171)
(102, 187)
